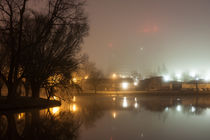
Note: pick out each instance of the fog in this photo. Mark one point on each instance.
(144, 34)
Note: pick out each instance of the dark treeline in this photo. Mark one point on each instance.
(38, 45)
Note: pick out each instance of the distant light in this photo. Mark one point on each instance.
(125, 104)
(55, 98)
(193, 109)
(135, 83)
(114, 75)
(74, 99)
(207, 78)
(136, 105)
(125, 85)
(193, 74)
(135, 99)
(196, 78)
(179, 108)
(166, 78)
(113, 98)
(21, 116)
(75, 80)
(73, 107)
(114, 114)
(166, 109)
(178, 76)
(123, 76)
(86, 77)
(55, 110)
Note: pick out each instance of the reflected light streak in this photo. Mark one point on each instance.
(21, 116)
(179, 108)
(74, 99)
(73, 107)
(114, 114)
(193, 109)
(136, 105)
(125, 103)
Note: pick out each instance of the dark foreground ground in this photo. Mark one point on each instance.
(27, 103)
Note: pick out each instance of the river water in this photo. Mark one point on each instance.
(112, 118)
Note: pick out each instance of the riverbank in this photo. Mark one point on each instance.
(27, 103)
(151, 93)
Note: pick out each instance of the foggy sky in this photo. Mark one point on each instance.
(127, 35)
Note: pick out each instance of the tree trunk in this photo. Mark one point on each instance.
(11, 92)
(35, 91)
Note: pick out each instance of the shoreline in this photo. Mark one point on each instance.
(27, 103)
(150, 93)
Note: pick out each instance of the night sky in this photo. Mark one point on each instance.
(128, 35)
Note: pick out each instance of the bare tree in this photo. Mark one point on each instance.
(40, 44)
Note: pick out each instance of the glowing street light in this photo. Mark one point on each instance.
(86, 77)
(114, 75)
(135, 83)
(178, 76)
(74, 80)
(125, 85)
(55, 110)
(166, 78)
(193, 74)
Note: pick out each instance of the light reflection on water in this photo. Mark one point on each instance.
(115, 117)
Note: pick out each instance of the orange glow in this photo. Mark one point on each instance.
(20, 116)
(74, 99)
(114, 75)
(73, 108)
(114, 114)
(75, 80)
(55, 110)
(86, 77)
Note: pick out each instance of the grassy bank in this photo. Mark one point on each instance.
(27, 103)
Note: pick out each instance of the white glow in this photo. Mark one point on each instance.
(193, 74)
(179, 108)
(135, 99)
(193, 109)
(178, 76)
(136, 105)
(207, 77)
(166, 109)
(125, 85)
(166, 78)
(135, 83)
(125, 103)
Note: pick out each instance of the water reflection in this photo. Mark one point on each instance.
(79, 119)
(73, 107)
(125, 103)
(114, 114)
